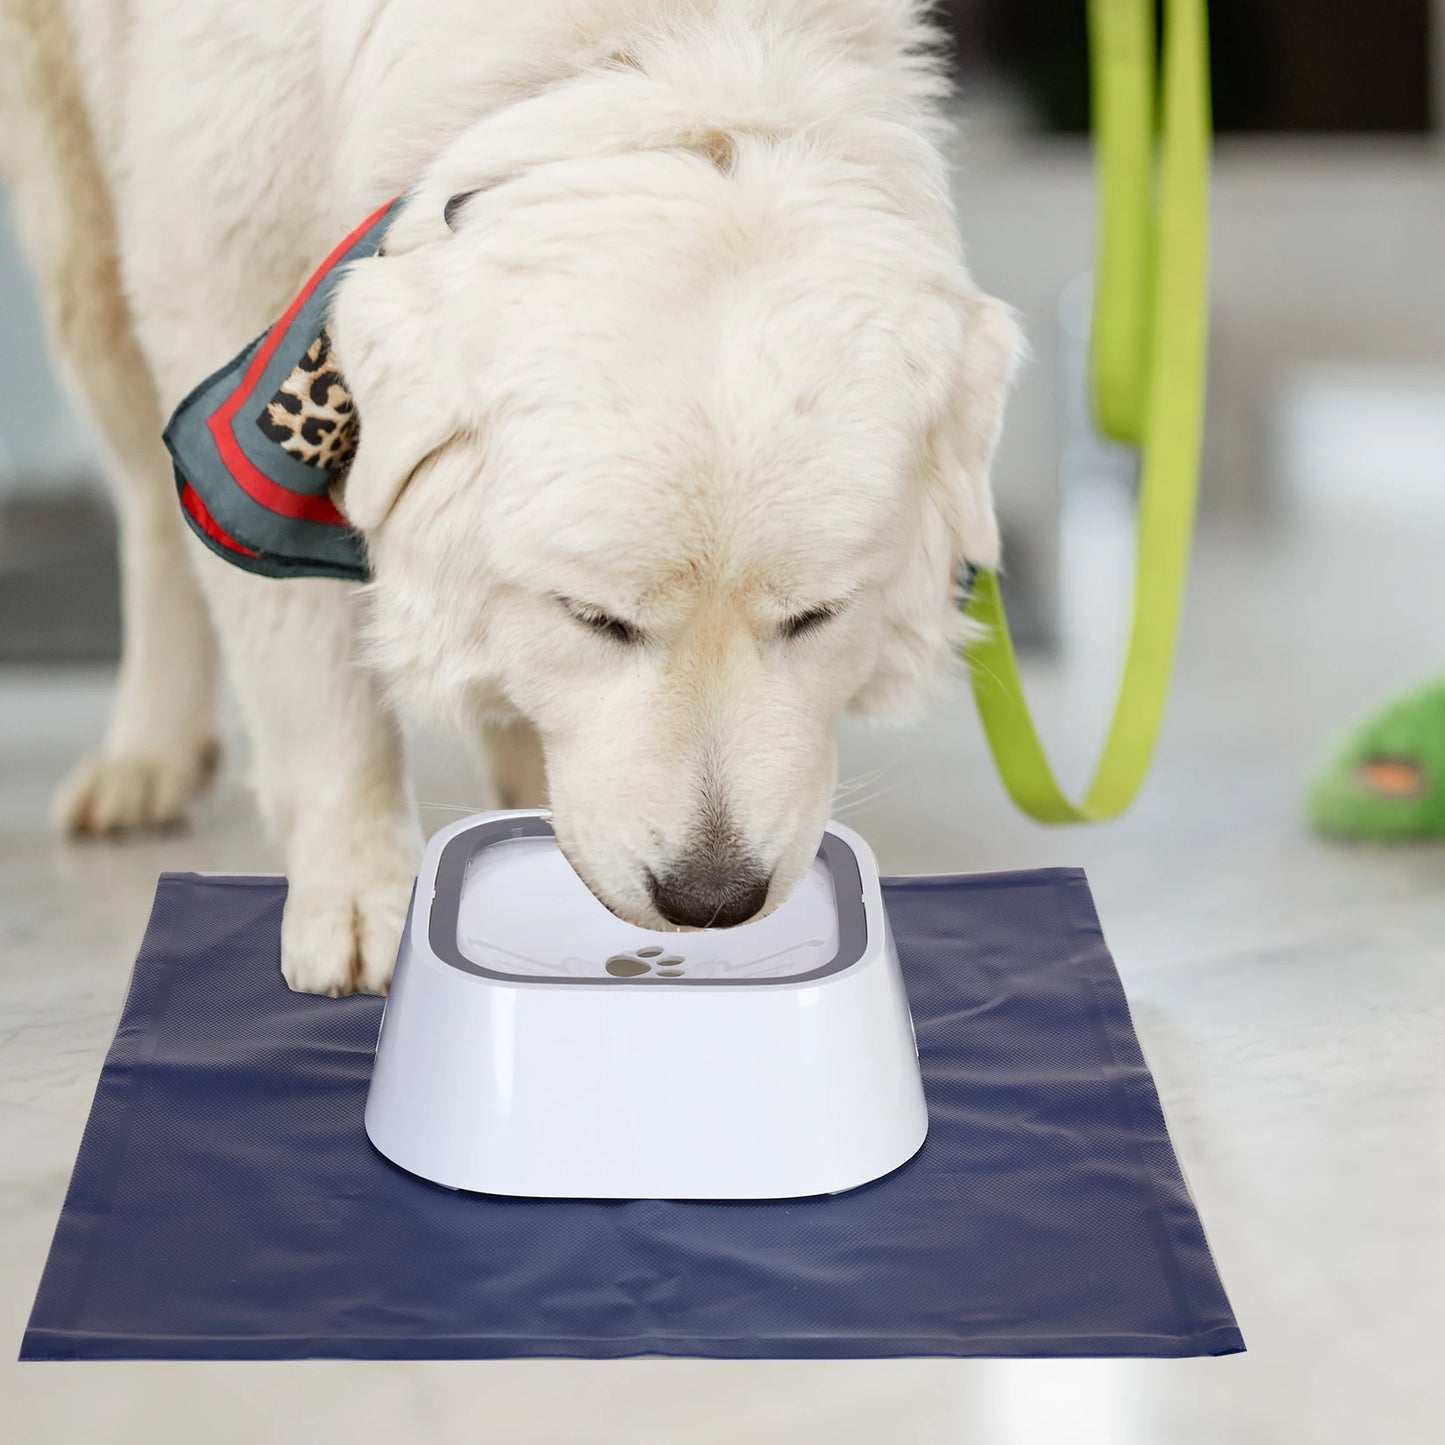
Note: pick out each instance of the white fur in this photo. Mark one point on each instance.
(701, 353)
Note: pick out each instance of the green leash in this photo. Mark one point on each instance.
(1147, 368)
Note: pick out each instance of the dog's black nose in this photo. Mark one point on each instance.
(708, 897)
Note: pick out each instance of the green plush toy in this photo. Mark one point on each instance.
(1387, 779)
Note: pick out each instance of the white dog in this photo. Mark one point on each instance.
(674, 426)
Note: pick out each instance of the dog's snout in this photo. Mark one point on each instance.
(709, 896)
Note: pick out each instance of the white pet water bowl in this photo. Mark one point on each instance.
(535, 1044)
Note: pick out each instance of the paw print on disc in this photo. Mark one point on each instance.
(644, 960)
(623, 965)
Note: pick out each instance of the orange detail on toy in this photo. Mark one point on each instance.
(1391, 778)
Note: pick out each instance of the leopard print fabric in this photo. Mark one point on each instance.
(312, 416)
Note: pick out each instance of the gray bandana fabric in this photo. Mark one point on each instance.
(260, 446)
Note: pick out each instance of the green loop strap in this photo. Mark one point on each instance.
(1147, 365)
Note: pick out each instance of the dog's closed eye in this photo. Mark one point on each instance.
(811, 620)
(596, 620)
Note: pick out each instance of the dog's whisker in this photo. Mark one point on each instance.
(851, 795)
(863, 780)
(853, 805)
(847, 792)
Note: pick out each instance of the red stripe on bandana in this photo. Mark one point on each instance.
(259, 487)
(191, 501)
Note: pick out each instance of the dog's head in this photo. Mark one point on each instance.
(674, 452)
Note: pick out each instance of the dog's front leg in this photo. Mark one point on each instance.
(327, 767)
(512, 754)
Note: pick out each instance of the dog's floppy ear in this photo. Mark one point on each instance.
(966, 433)
(404, 407)
(956, 520)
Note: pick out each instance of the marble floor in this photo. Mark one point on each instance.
(1290, 996)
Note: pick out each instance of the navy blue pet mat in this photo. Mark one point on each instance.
(226, 1203)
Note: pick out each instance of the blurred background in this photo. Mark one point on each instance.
(1290, 993)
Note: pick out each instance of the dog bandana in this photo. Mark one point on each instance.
(261, 446)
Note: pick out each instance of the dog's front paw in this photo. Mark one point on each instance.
(340, 937)
(121, 791)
